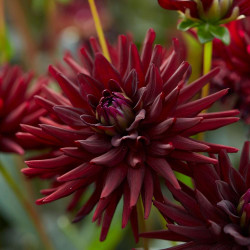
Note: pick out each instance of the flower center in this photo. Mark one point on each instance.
(115, 109)
(244, 211)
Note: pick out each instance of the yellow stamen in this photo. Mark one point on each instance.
(99, 29)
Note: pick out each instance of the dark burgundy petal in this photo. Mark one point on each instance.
(135, 63)
(62, 191)
(8, 145)
(206, 172)
(131, 83)
(188, 202)
(178, 5)
(193, 233)
(245, 159)
(68, 87)
(87, 60)
(182, 124)
(134, 223)
(61, 160)
(13, 119)
(192, 157)
(164, 235)
(173, 81)
(234, 231)
(108, 216)
(104, 71)
(148, 187)
(69, 115)
(160, 128)
(123, 54)
(111, 158)
(190, 90)
(195, 107)
(183, 143)
(114, 178)
(229, 209)
(162, 167)
(73, 64)
(210, 124)
(135, 179)
(207, 209)
(156, 108)
(147, 49)
(89, 205)
(140, 116)
(179, 215)
(126, 205)
(173, 61)
(95, 144)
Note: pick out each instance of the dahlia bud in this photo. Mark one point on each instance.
(217, 11)
(244, 210)
(115, 109)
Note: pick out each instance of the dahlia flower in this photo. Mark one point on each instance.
(17, 106)
(207, 15)
(234, 62)
(122, 126)
(216, 215)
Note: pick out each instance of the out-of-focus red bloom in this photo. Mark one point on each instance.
(122, 126)
(17, 106)
(77, 14)
(216, 215)
(234, 62)
(209, 10)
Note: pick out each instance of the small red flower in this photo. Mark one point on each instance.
(17, 106)
(216, 215)
(234, 62)
(208, 16)
(122, 126)
(212, 10)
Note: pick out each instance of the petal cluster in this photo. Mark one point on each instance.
(123, 126)
(234, 61)
(216, 214)
(17, 106)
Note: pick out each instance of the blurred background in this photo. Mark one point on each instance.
(36, 33)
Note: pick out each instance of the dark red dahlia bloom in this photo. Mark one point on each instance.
(216, 215)
(122, 126)
(209, 10)
(234, 61)
(17, 106)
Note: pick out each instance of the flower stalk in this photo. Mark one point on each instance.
(28, 208)
(99, 29)
(142, 223)
(207, 62)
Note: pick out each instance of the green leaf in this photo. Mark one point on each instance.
(186, 24)
(204, 34)
(221, 33)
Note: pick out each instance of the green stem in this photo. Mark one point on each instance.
(28, 208)
(142, 223)
(207, 63)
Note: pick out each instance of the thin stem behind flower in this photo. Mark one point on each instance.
(207, 63)
(99, 29)
(142, 223)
